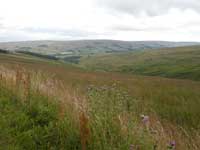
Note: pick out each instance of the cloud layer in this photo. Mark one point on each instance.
(149, 7)
(176, 20)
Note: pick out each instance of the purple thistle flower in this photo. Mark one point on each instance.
(145, 119)
(172, 145)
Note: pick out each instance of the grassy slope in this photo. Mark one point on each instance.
(29, 118)
(183, 62)
(112, 95)
(141, 87)
(33, 125)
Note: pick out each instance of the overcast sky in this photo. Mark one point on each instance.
(133, 20)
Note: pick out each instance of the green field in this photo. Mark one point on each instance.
(65, 106)
(183, 62)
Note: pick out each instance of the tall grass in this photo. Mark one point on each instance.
(30, 118)
(115, 116)
(39, 112)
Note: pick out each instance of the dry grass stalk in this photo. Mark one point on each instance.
(18, 78)
(27, 86)
(84, 130)
(1, 77)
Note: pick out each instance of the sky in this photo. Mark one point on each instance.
(131, 20)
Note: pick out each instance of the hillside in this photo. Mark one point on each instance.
(180, 62)
(97, 110)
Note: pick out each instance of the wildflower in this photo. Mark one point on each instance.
(172, 145)
(145, 119)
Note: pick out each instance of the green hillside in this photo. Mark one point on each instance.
(61, 106)
(182, 62)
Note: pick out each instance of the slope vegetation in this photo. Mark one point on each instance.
(182, 62)
(61, 106)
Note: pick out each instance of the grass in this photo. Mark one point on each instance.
(32, 121)
(113, 120)
(82, 109)
(182, 62)
(33, 126)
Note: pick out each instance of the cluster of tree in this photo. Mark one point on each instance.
(4, 51)
(38, 55)
(72, 59)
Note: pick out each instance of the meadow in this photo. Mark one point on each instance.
(48, 104)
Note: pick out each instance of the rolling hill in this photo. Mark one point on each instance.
(180, 62)
(88, 46)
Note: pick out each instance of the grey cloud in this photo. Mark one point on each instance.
(130, 28)
(195, 23)
(150, 7)
(73, 33)
(124, 28)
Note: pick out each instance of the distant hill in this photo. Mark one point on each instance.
(179, 62)
(88, 46)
